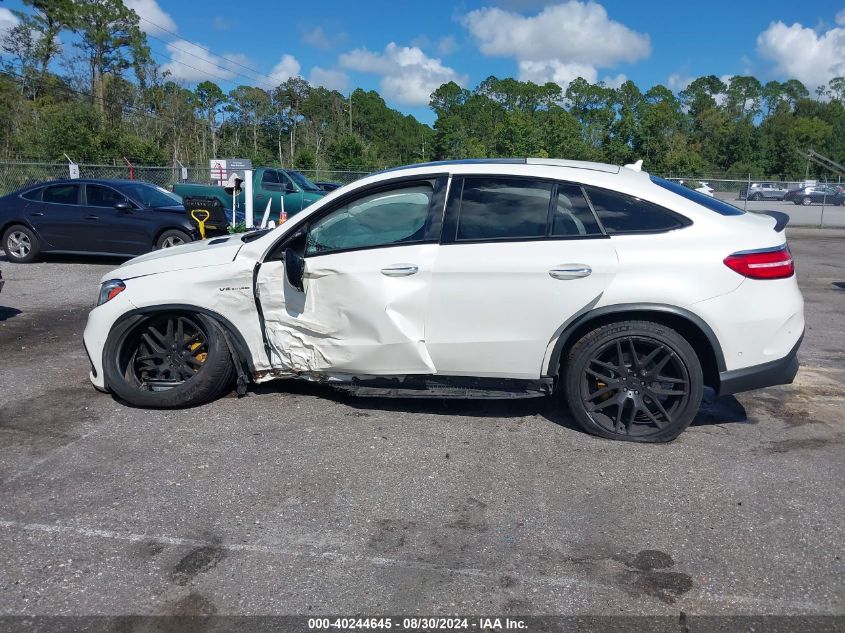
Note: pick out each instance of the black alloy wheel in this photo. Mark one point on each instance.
(168, 360)
(633, 385)
(169, 351)
(634, 380)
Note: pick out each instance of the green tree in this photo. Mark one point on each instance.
(110, 39)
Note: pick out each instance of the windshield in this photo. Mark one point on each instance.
(150, 195)
(709, 202)
(303, 182)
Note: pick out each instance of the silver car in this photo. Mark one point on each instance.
(765, 191)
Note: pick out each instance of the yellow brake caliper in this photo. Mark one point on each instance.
(202, 355)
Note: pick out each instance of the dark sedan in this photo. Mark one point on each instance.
(103, 217)
(820, 194)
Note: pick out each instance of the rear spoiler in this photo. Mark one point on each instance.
(781, 219)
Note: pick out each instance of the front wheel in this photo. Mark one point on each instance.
(757, 197)
(636, 381)
(168, 360)
(806, 201)
(21, 244)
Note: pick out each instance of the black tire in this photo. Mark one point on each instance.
(171, 238)
(624, 393)
(796, 201)
(20, 244)
(132, 374)
(757, 197)
(806, 201)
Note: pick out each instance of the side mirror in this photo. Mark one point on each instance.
(124, 207)
(288, 187)
(294, 269)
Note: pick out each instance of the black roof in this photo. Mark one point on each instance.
(106, 181)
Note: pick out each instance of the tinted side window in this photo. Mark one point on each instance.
(102, 196)
(270, 180)
(620, 213)
(61, 194)
(34, 194)
(495, 208)
(379, 219)
(572, 215)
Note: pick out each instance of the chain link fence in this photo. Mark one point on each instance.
(823, 211)
(16, 175)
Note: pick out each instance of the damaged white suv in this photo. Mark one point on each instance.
(485, 278)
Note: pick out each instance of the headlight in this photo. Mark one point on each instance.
(109, 290)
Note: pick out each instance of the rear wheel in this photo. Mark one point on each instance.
(168, 360)
(21, 244)
(171, 238)
(757, 197)
(806, 201)
(635, 380)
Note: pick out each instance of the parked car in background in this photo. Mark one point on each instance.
(819, 194)
(104, 217)
(268, 185)
(2, 282)
(624, 292)
(762, 191)
(706, 189)
(328, 186)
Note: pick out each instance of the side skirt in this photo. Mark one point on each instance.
(448, 387)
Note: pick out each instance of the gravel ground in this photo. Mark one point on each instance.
(297, 500)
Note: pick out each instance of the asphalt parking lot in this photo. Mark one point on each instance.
(815, 215)
(300, 500)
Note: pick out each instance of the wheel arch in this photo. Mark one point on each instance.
(238, 347)
(689, 325)
(19, 222)
(165, 229)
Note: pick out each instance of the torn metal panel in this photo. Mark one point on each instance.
(352, 317)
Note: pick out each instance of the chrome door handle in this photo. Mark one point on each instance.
(36, 213)
(570, 271)
(400, 270)
(92, 217)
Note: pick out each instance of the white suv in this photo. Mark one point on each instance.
(480, 278)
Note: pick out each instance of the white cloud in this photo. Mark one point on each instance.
(192, 62)
(677, 82)
(8, 21)
(560, 43)
(317, 38)
(331, 79)
(557, 71)
(154, 20)
(800, 52)
(840, 18)
(615, 82)
(409, 76)
(287, 67)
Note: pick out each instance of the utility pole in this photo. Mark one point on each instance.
(350, 112)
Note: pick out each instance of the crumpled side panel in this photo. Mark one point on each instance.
(352, 318)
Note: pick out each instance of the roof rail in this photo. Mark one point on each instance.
(574, 164)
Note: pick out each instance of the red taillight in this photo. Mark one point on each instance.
(769, 263)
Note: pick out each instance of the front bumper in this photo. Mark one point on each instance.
(777, 372)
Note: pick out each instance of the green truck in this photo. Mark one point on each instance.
(268, 183)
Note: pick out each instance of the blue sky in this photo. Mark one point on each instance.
(404, 49)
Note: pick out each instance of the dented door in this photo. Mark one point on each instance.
(366, 285)
(362, 312)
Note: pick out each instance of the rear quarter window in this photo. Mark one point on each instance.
(623, 214)
(708, 202)
(32, 194)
